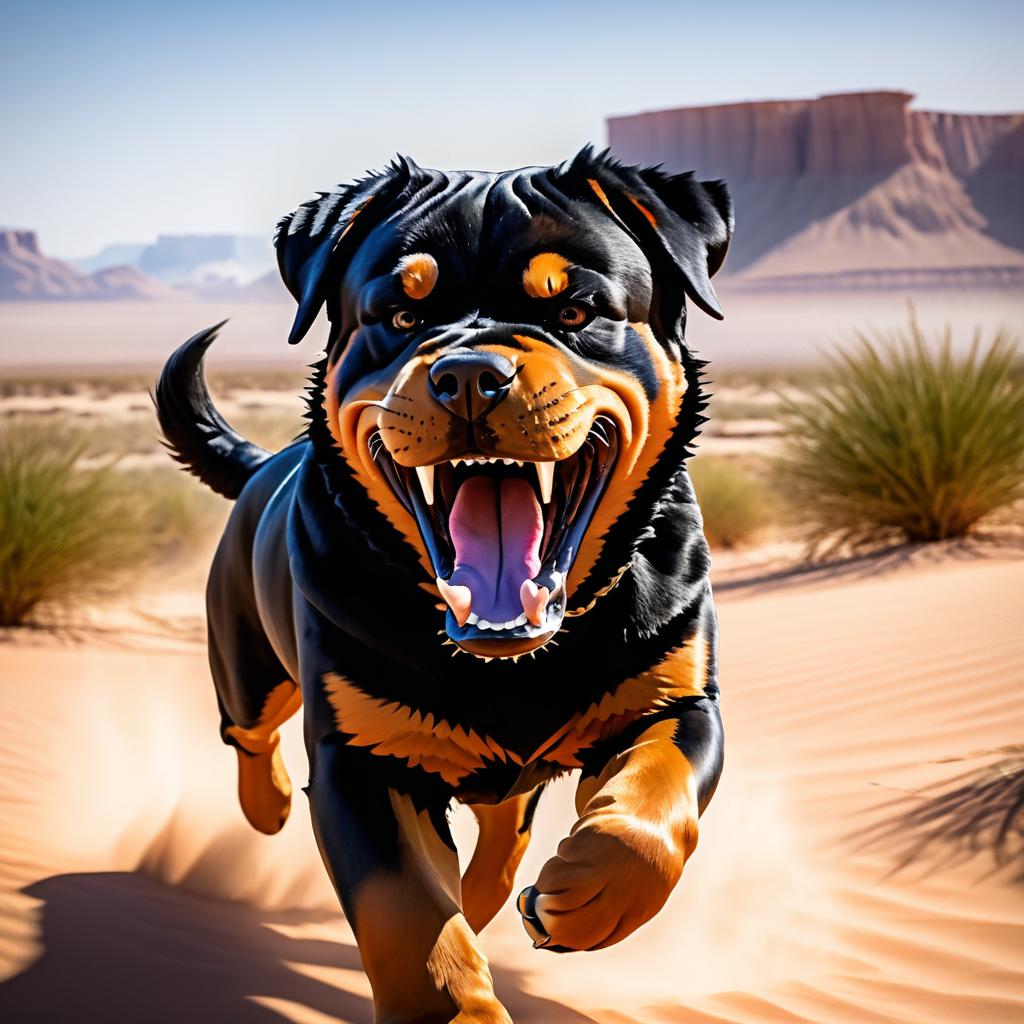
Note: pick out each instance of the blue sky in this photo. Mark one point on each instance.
(121, 120)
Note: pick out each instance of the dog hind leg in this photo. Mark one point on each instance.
(264, 788)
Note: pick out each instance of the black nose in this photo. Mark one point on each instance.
(469, 383)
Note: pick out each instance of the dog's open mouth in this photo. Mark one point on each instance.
(502, 536)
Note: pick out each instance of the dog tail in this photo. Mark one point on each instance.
(195, 432)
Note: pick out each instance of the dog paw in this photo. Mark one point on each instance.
(608, 877)
(264, 789)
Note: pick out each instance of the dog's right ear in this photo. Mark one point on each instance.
(315, 241)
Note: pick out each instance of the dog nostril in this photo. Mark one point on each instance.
(447, 385)
(489, 385)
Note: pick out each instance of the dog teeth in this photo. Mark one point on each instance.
(426, 475)
(534, 600)
(546, 477)
(473, 619)
(459, 599)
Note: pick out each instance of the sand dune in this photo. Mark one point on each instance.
(133, 891)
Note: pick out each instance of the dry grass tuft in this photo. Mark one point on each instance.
(66, 534)
(736, 506)
(905, 442)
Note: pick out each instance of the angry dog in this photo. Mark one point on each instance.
(483, 564)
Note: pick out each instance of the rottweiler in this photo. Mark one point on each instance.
(483, 564)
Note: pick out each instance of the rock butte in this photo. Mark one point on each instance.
(852, 189)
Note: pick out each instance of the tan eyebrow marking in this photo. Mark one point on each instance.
(545, 275)
(418, 273)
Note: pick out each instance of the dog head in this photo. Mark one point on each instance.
(505, 363)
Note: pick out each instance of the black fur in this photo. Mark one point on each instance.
(196, 433)
(312, 578)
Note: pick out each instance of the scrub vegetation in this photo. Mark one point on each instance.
(74, 528)
(736, 505)
(905, 442)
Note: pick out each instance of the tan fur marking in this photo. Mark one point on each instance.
(418, 274)
(421, 957)
(637, 827)
(601, 195)
(264, 789)
(653, 422)
(681, 674)
(545, 275)
(351, 428)
(491, 875)
(388, 727)
(651, 219)
(358, 210)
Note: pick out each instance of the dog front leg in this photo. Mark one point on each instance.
(394, 866)
(637, 827)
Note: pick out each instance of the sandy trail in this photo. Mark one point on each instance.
(132, 890)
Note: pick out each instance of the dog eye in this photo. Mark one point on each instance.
(573, 316)
(404, 320)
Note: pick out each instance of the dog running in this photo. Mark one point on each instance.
(483, 565)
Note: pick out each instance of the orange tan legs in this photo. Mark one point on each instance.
(490, 877)
(637, 827)
(264, 789)
(394, 866)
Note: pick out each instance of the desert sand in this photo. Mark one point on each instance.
(770, 330)
(133, 890)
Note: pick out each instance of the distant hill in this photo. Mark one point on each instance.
(120, 254)
(852, 190)
(222, 266)
(26, 273)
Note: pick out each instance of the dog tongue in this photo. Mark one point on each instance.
(496, 527)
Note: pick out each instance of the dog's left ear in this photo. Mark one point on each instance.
(315, 242)
(683, 225)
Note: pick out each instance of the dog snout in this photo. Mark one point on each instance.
(471, 383)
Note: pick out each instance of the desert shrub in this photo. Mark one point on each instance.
(905, 442)
(735, 504)
(65, 533)
(73, 529)
(180, 515)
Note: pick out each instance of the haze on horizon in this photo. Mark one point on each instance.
(123, 121)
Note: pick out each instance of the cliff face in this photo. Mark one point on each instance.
(852, 188)
(27, 273)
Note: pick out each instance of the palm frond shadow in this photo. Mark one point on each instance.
(979, 813)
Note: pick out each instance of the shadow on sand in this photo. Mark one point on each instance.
(119, 947)
(875, 563)
(978, 813)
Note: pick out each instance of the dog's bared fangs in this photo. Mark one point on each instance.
(495, 466)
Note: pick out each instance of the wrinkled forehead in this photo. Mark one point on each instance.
(478, 227)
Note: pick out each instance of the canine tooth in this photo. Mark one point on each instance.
(460, 600)
(473, 618)
(546, 476)
(534, 600)
(454, 463)
(521, 621)
(426, 475)
(519, 463)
